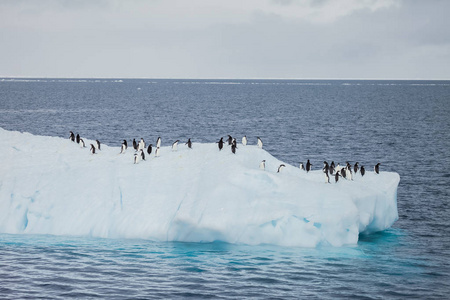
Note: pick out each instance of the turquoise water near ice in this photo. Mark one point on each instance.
(403, 124)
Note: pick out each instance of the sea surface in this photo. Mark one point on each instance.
(405, 125)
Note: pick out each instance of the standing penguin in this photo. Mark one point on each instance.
(336, 176)
(280, 168)
(377, 168)
(363, 171)
(326, 167)
(262, 165)
(141, 145)
(137, 157)
(92, 149)
(82, 143)
(141, 152)
(356, 167)
(158, 142)
(348, 173)
(244, 140)
(78, 138)
(233, 148)
(157, 152)
(220, 142)
(308, 166)
(135, 145)
(124, 146)
(149, 149)
(331, 169)
(230, 140)
(98, 144)
(175, 145)
(72, 136)
(302, 167)
(327, 177)
(189, 143)
(260, 143)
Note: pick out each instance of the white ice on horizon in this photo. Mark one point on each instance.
(49, 185)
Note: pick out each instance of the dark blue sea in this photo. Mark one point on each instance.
(405, 125)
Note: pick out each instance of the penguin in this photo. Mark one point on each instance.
(260, 143)
(338, 168)
(142, 154)
(78, 138)
(348, 173)
(262, 165)
(98, 144)
(244, 140)
(280, 167)
(331, 168)
(332, 164)
(157, 152)
(363, 171)
(82, 143)
(141, 145)
(220, 142)
(327, 178)
(72, 136)
(175, 145)
(230, 140)
(189, 143)
(336, 176)
(135, 145)
(342, 173)
(233, 148)
(356, 167)
(377, 168)
(308, 166)
(234, 143)
(326, 167)
(92, 149)
(136, 158)
(158, 142)
(302, 167)
(124, 146)
(149, 149)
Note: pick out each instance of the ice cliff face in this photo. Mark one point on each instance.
(50, 185)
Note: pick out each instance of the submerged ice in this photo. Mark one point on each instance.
(51, 185)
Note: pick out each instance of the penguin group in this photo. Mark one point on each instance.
(330, 170)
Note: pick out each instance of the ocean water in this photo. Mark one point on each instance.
(405, 125)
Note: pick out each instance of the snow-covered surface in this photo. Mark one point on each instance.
(49, 185)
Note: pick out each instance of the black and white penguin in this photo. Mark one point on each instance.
(230, 140)
(348, 172)
(72, 136)
(331, 168)
(233, 148)
(244, 140)
(78, 138)
(356, 168)
(82, 143)
(342, 173)
(141, 145)
(332, 164)
(363, 171)
(189, 143)
(92, 149)
(158, 142)
(377, 168)
(141, 152)
(338, 168)
(280, 168)
(175, 145)
(262, 165)
(326, 167)
(124, 146)
(234, 143)
(98, 144)
(137, 158)
(302, 167)
(260, 143)
(149, 149)
(157, 152)
(220, 142)
(336, 176)
(135, 146)
(308, 166)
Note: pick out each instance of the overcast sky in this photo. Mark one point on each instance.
(400, 39)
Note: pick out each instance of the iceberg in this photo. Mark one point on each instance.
(50, 185)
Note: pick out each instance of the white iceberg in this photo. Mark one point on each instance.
(49, 185)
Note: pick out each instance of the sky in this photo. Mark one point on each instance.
(307, 39)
